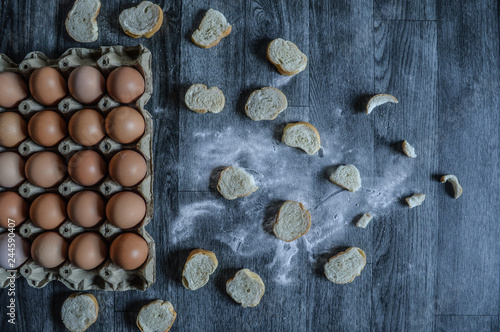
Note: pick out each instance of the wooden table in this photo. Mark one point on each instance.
(434, 267)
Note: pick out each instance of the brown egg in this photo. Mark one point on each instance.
(47, 128)
(13, 89)
(125, 85)
(22, 250)
(49, 249)
(86, 84)
(129, 251)
(12, 129)
(48, 211)
(14, 207)
(126, 209)
(86, 127)
(47, 86)
(87, 208)
(88, 250)
(127, 168)
(87, 167)
(11, 169)
(125, 125)
(45, 169)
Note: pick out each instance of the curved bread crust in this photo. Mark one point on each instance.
(246, 288)
(235, 182)
(201, 100)
(344, 267)
(139, 13)
(409, 150)
(71, 309)
(222, 29)
(265, 104)
(206, 274)
(89, 9)
(415, 200)
(286, 56)
(378, 100)
(457, 188)
(308, 137)
(293, 221)
(149, 318)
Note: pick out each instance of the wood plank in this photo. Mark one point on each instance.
(404, 243)
(466, 323)
(405, 10)
(469, 80)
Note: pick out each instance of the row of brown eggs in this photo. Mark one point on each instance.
(86, 84)
(48, 211)
(87, 251)
(47, 169)
(86, 127)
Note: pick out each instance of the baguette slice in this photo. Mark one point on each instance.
(212, 29)
(409, 150)
(292, 222)
(79, 311)
(246, 288)
(157, 316)
(378, 100)
(81, 21)
(302, 135)
(235, 182)
(457, 188)
(347, 177)
(265, 104)
(345, 266)
(415, 200)
(286, 56)
(364, 220)
(201, 100)
(200, 264)
(142, 20)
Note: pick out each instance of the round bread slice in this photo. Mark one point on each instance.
(347, 176)
(200, 264)
(143, 20)
(157, 316)
(212, 29)
(79, 311)
(292, 222)
(265, 104)
(345, 266)
(246, 288)
(235, 182)
(286, 56)
(302, 135)
(81, 21)
(201, 100)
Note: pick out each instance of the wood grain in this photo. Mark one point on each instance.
(406, 10)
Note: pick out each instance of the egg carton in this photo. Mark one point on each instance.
(107, 276)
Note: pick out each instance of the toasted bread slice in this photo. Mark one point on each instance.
(409, 150)
(347, 176)
(143, 20)
(345, 266)
(302, 135)
(265, 104)
(212, 29)
(235, 182)
(364, 220)
(292, 222)
(457, 188)
(201, 100)
(157, 316)
(286, 56)
(378, 100)
(200, 264)
(415, 200)
(246, 288)
(79, 311)
(81, 22)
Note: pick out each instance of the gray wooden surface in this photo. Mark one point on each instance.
(432, 268)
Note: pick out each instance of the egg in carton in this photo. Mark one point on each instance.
(107, 276)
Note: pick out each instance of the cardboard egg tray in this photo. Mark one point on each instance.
(107, 276)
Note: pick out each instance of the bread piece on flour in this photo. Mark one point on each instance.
(286, 56)
(292, 222)
(347, 176)
(157, 316)
(142, 20)
(212, 29)
(302, 135)
(457, 188)
(79, 311)
(81, 21)
(235, 182)
(378, 100)
(246, 288)
(265, 104)
(201, 100)
(409, 150)
(415, 200)
(345, 266)
(200, 264)
(364, 220)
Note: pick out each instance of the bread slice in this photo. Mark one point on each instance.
(415, 200)
(345, 266)
(246, 288)
(142, 20)
(235, 182)
(200, 264)
(292, 222)
(201, 100)
(265, 104)
(302, 135)
(457, 188)
(409, 150)
(378, 100)
(81, 22)
(157, 316)
(286, 56)
(364, 220)
(212, 29)
(79, 311)
(347, 176)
